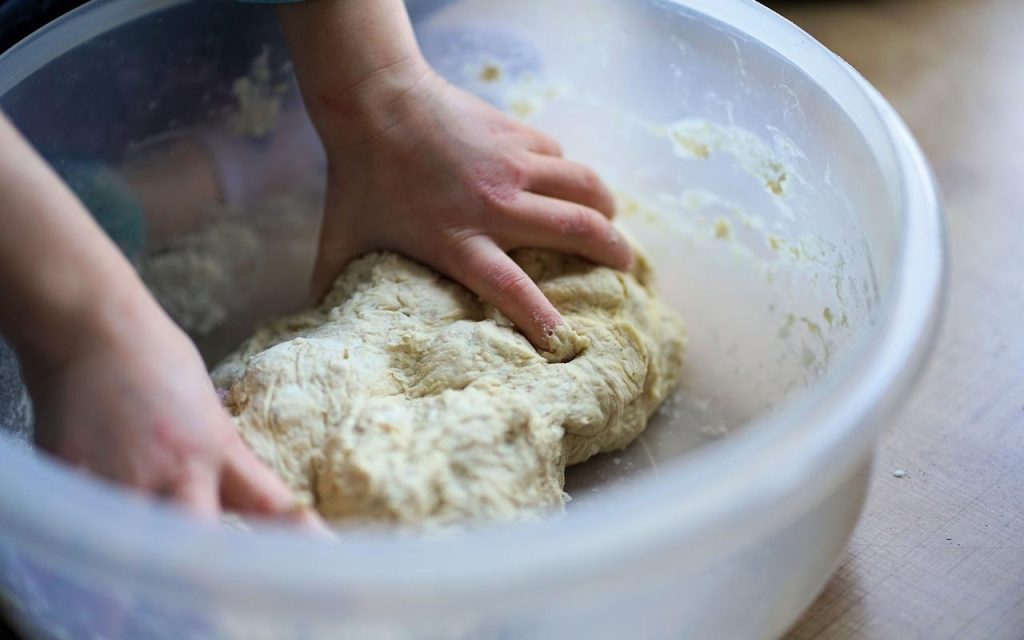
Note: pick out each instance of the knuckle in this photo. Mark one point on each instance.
(509, 284)
(544, 141)
(499, 183)
(165, 480)
(578, 223)
(516, 172)
(164, 472)
(460, 243)
(171, 435)
(459, 250)
(590, 180)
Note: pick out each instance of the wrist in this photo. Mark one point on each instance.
(356, 61)
(63, 276)
(345, 119)
(98, 311)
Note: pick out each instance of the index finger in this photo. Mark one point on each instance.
(247, 486)
(489, 272)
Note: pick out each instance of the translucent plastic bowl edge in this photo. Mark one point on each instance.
(803, 453)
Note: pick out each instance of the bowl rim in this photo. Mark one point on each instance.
(756, 472)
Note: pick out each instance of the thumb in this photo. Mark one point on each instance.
(247, 486)
(328, 266)
(335, 249)
(197, 492)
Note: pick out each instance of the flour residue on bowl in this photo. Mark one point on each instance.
(259, 96)
(696, 138)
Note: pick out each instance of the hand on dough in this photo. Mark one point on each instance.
(133, 404)
(420, 167)
(117, 388)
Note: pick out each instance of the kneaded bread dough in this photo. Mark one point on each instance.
(403, 398)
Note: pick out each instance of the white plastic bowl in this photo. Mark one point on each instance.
(812, 300)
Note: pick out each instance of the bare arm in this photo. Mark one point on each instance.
(118, 388)
(55, 262)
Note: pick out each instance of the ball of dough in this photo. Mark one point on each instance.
(403, 398)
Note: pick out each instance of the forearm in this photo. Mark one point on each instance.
(355, 59)
(60, 276)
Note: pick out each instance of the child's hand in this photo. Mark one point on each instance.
(430, 171)
(117, 388)
(131, 402)
(420, 167)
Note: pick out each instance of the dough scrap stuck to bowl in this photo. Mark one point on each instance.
(403, 398)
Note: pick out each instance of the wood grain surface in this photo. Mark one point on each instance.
(939, 552)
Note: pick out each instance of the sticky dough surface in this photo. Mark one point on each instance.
(403, 398)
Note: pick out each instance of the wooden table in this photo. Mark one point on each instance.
(939, 553)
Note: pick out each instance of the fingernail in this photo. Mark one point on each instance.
(550, 326)
(561, 348)
(620, 240)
